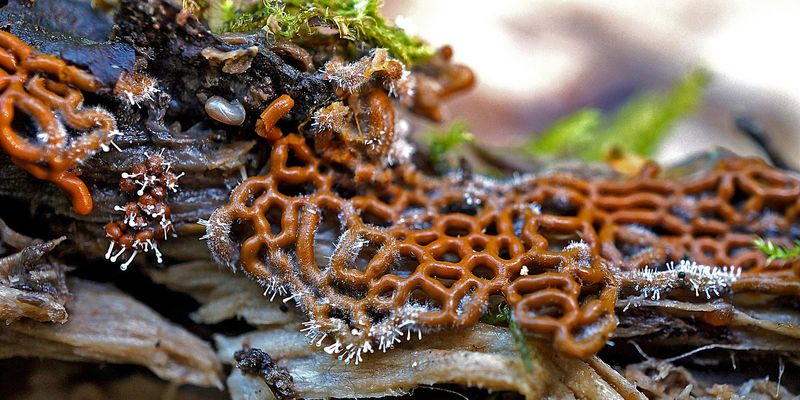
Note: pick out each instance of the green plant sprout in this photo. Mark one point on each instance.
(444, 141)
(504, 315)
(778, 252)
(636, 127)
(497, 316)
(520, 341)
(300, 20)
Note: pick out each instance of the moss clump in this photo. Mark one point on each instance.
(300, 20)
(636, 127)
(777, 252)
(443, 142)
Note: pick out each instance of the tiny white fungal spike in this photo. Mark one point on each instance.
(125, 265)
(373, 143)
(110, 249)
(275, 288)
(472, 195)
(110, 138)
(351, 344)
(352, 76)
(330, 118)
(335, 348)
(173, 185)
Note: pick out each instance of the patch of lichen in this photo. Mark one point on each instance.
(302, 20)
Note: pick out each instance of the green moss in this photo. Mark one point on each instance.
(576, 129)
(636, 127)
(520, 342)
(219, 12)
(776, 252)
(443, 142)
(296, 20)
(497, 316)
(504, 315)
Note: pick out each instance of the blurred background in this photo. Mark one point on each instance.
(537, 61)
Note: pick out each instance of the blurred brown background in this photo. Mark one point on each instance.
(539, 60)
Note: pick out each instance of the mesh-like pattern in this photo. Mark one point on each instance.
(415, 253)
(48, 91)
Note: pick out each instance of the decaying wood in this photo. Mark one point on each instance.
(484, 356)
(36, 379)
(31, 285)
(222, 296)
(107, 325)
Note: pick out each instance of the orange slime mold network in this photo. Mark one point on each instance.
(45, 88)
(373, 253)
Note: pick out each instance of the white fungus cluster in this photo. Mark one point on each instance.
(698, 278)
(398, 326)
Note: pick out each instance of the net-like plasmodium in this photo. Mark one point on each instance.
(49, 93)
(373, 254)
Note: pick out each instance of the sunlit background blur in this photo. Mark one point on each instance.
(538, 60)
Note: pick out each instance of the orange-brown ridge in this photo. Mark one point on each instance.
(45, 88)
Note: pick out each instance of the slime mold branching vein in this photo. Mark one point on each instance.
(416, 253)
(50, 92)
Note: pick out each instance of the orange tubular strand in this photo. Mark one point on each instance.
(10, 42)
(13, 144)
(381, 121)
(77, 191)
(81, 79)
(7, 61)
(265, 127)
(39, 86)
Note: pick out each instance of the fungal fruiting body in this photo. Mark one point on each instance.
(49, 92)
(136, 88)
(375, 253)
(697, 278)
(146, 220)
